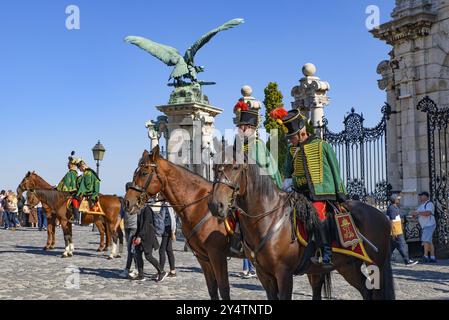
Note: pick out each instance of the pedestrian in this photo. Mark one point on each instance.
(145, 242)
(41, 217)
(397, 233)
(130, 224)
(168, 218)
(248, 270)
(33, 218)
(3, 212)
(12, 209)
(426, 219)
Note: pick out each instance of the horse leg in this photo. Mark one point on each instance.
(353, 274)
(316, 282)
(269, 283)
(386, 283)
(53, 224)
(71, 245)
(211, 282)
(219, 265)
(100, 226)
(65, 230)
(284, 279)
(110, 231)
(50, 239)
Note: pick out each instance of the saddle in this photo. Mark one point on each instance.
(345, 237)
(86, 208)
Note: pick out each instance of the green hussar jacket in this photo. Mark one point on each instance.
(259, 153)
(89, 185)
(68, 183)
(315, 170)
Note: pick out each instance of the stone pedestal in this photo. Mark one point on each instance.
(311, 97)
(190, 126)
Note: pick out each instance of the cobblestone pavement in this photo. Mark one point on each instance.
(28, 272)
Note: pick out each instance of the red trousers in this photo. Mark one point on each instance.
(320, 207)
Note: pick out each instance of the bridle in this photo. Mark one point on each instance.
(222, 178)
(144, 195)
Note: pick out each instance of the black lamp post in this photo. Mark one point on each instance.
(98, 151)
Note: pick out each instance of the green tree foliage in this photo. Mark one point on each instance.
(273, 100)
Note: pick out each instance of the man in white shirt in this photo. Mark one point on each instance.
(426, 219)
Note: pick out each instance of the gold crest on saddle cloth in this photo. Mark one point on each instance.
(347, 231)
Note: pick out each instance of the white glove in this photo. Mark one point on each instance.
(287, 185)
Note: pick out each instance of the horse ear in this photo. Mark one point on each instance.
(155, 153)
(28, 174)
(145, 153)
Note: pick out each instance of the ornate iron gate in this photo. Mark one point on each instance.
(362, 156)
(438, 150)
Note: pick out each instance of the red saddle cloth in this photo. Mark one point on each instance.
(350, 244)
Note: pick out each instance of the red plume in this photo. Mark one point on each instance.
(278, 114)
(241, 105)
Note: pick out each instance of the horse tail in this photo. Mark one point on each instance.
(328, 286)
(387, 284)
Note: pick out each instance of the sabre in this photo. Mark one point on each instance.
(367, 241)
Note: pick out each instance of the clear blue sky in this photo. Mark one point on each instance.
(63, 90)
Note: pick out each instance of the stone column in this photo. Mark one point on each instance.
(311, 97)
(418, 67)
(190, 125)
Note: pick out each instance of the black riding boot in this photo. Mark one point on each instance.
(324, 256)
(75, 215)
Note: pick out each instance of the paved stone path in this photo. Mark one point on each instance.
(28, 272)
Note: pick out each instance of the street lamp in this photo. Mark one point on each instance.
(98, 151)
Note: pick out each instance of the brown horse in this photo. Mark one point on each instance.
(33, 181)
(267, 233)
(55, 202)
(188, 194)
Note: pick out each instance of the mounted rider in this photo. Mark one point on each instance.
(254, 149)
(88, 185)
(249, 148)
(312, 169)
(69, 183)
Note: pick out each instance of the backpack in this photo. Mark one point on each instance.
(159, 223)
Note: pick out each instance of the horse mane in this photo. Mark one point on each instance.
(52, 197)
(261, 183)
(40, 178)
(148, 158)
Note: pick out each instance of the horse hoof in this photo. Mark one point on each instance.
(70, 254)
(118, 256)
(110, 258)
(100, 249)
(46, 248)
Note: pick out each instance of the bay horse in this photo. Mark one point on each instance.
(55, 203)
(188, 194)
(267, 233)
(33, 181)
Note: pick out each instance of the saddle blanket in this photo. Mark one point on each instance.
(86, 209)
(350, 244)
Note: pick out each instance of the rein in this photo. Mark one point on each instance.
(236, 187)
(143, 198)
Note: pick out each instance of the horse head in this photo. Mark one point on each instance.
(228, 185)
(28, 182)
(146, 182)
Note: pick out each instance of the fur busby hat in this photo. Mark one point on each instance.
(292, 121)
(245, 114)
(72, 159)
